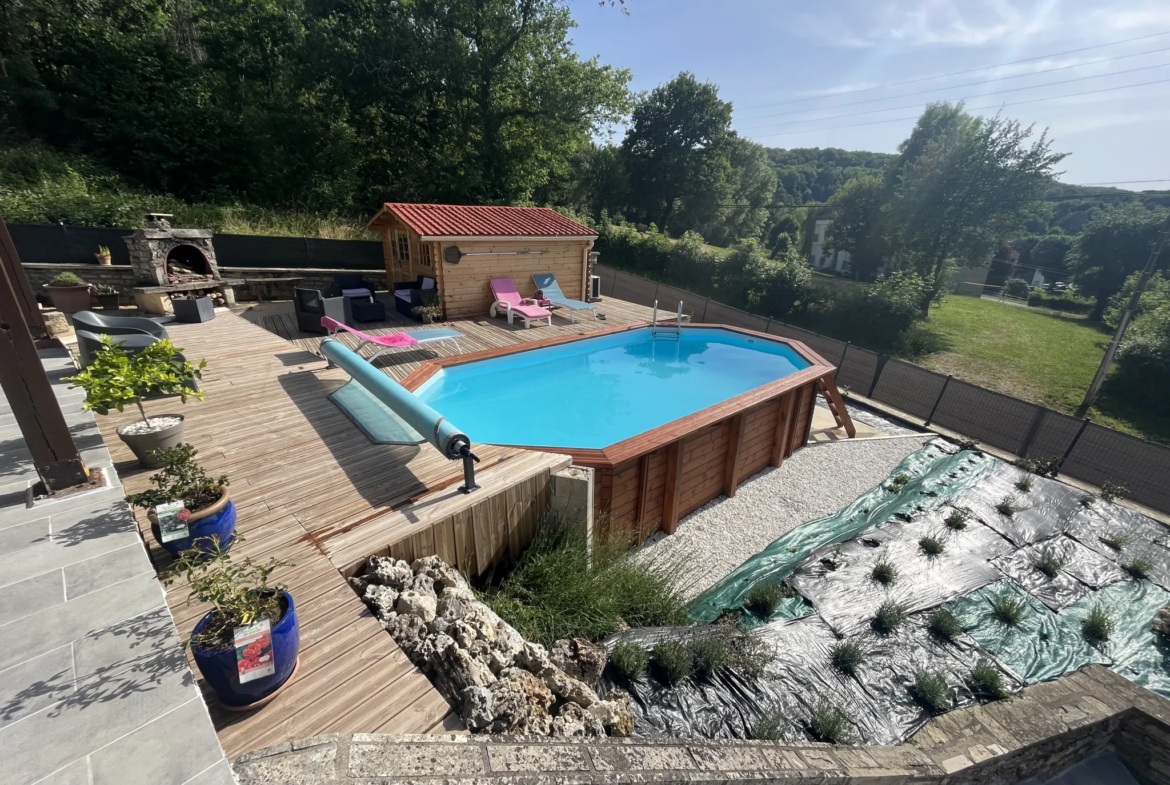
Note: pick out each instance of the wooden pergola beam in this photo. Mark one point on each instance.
(25, 383)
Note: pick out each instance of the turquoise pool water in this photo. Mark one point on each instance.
(598, 391)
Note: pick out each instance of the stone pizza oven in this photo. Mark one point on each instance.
(168, 261)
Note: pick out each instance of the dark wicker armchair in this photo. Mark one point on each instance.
(407, 295)
(310, 305)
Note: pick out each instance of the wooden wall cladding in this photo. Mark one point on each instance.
(640, 496)
(473, 539)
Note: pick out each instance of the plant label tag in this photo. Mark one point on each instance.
(254, 658)
(172, 522)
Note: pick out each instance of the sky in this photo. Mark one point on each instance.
(832, 73)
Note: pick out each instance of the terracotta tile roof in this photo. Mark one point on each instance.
(444, 220)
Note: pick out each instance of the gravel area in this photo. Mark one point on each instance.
(816, 481)
(139, 427)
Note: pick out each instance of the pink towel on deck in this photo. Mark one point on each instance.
(393, 341)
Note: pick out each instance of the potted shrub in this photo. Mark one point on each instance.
(116, 378)
(432, 307)
(244, 666)
(208, 510)
(107, 296)
(69, 293)
(102, 255)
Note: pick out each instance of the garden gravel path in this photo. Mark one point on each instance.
(816, 481)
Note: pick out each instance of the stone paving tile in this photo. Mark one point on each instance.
(529, 758)
(219, 774)
(309, 766)
(77, 535)
(125, 645)
(134, 759)
(24, 535)
(71, 620)
(76, 773)
(35, 684)
(31, 596)
(413, 760)
(109, 568)
(101, 711)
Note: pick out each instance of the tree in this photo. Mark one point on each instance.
(678, 148)
(858, 225)
(961, 184)
(1113, 245)
(753, 185)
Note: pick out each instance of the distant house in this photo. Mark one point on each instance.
(463, 247)
(823, 258)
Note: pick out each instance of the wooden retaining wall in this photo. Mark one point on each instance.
(655, 490)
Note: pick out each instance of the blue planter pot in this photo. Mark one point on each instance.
(217, 521)
(219, 667)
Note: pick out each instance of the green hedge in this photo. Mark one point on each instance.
(1059, 302)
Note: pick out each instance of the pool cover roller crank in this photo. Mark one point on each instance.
(432, 426)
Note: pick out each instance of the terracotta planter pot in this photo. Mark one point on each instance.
(69, 299)
(218, 521)
(144, 444)
(103, 259)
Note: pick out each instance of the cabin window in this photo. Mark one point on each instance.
(403, 246)
(424, 254)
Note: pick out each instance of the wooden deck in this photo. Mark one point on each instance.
(482, 334)
(311, 489)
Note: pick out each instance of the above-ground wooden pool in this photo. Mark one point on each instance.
(668, 417)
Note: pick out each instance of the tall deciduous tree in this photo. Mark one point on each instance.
(961, 184)
(859, 226)
(1112, 247)
(678, 149)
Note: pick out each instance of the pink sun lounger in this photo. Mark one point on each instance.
(508, 300)
(400, 340)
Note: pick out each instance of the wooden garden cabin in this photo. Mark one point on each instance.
(492, 242)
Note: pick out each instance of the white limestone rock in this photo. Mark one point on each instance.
(381, 599)
(574, 721)
(389, 572)
(415, 604)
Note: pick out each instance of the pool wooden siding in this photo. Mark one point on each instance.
(657, 489)
(654, 479)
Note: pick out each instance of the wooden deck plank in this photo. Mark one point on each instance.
(311, 489)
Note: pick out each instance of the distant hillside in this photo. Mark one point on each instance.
(814, 174)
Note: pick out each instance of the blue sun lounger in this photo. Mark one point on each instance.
(547, 283)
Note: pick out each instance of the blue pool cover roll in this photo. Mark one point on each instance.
(431, 425)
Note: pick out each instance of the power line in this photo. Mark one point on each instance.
(971, 84)
(974, 108)
(959, 73)
(964, 98)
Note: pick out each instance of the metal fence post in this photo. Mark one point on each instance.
(703, 319)
(877, 373)
(938, 400)
(841, 362)
(1076, 440)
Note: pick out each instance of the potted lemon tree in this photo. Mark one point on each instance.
(206, 512)
(247, 645)
(69, 293)
(117, 378)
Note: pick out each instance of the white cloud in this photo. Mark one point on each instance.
(912, 24)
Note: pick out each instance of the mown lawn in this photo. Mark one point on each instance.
(1032, 355)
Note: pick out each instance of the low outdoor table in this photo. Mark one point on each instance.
(262, 283)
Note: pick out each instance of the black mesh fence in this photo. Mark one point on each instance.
(908, 387)
(1093, 454)
(78, 244)
(1103, 454)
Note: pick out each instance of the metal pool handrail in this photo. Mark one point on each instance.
(431, 425)
(678, 322)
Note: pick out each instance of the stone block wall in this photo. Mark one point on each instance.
(1045, 729)
(122, 276)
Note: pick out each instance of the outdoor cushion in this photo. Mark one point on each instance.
(356, 292)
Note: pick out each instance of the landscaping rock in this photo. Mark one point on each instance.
(502, 683)
(415, 604)
(381, 599)
(572, 720)
(389, 572)
(580, 658)
(1162, 622)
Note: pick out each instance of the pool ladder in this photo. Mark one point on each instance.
(666, 333)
